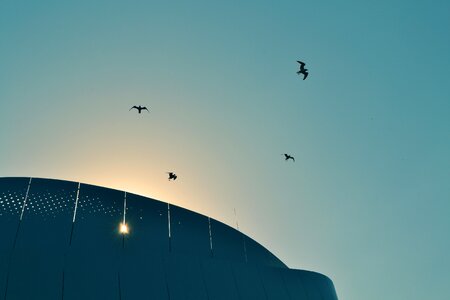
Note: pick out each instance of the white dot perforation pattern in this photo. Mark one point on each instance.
(50, 203)
(11, 203)
(93, 205)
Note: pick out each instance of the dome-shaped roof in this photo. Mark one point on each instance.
(79, 241)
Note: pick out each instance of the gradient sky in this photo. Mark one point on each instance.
(367, 201)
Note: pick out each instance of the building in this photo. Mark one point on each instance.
(66, 240)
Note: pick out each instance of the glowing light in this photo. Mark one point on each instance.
(123, 228)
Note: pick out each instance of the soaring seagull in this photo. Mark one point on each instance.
(172, 175)
(288, 157)
(140, 108)
(302, 70)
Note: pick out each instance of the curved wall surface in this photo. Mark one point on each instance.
(61, 240)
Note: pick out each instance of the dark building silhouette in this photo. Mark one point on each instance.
(66, 240)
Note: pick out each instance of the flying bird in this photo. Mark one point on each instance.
(302, 70)
(140, 108)
(288, 157)
(172, 175)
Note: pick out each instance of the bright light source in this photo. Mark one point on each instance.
(123, 228)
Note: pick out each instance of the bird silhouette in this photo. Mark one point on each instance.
(140, 108)
(302, 70)
(172, 175)
(288, 157)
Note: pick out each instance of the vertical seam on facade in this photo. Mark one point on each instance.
(124, 208)
(262, 281)
(74, 213)
(120, 287)
(235, 281)
(245, 248)
(285, 286)
(168, 220)
(76, 203)
(62, 289)
(124, 218)
(15, 239)
(210, 237)
(25, 200)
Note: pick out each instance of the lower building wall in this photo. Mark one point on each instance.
(171, 277)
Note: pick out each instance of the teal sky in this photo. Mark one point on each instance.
(367, 201)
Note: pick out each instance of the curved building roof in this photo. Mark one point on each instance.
(68, 240)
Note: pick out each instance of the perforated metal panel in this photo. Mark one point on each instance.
(12, 195)
(42, 241)
(228, 243)
(92, 268)
(148, 229)
(189, 232)
(142, 269)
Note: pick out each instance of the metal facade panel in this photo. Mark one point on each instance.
(331, 292)
(12, 195)
(295, 285)
(148, 228)
(321, 284)
(273, 283)
(248, 281)
(327, 290)
(143, 279)
(227, 242)
(142, 271)
(57, 254)
(185, 278)
(38, 258)
(92, 268)
(314, 283)
(189, 232)
(219, 279)
(257, 254)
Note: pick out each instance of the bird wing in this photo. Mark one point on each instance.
(145, 108)
(305, 75)
(302, 64)
(134, 107)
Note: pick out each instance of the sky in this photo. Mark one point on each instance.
(367, 200)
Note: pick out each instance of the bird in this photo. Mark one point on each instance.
(302, 70)
(140, 108)
(172, 175)
(287, 157)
